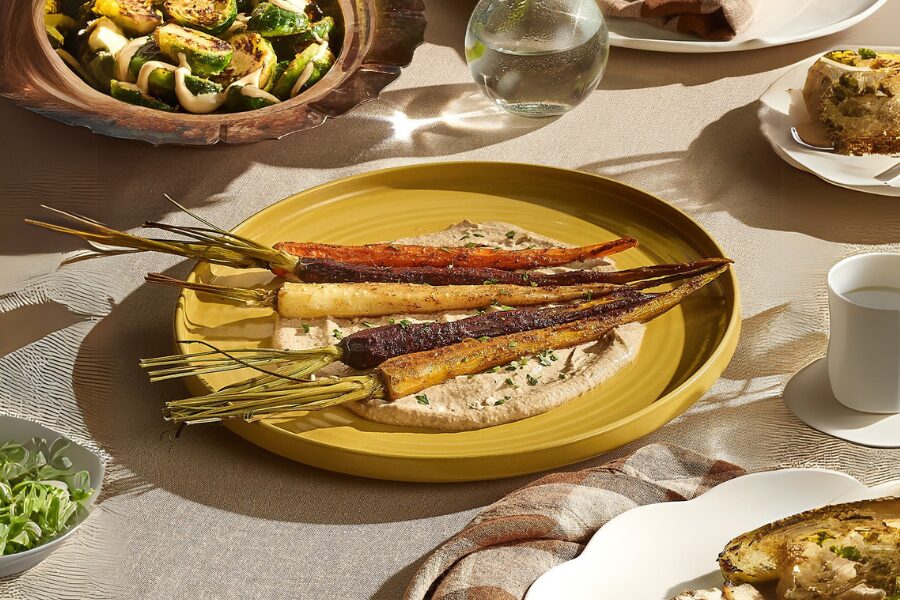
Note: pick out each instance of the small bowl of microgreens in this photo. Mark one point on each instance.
(48, 484)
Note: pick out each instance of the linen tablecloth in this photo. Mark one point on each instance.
(211, 516)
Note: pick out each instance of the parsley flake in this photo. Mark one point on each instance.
(422, 399)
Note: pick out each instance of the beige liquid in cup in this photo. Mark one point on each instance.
(881, 297)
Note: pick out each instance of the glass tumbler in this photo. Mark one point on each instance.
(537, 58)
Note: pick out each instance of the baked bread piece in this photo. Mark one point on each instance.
(855, 94)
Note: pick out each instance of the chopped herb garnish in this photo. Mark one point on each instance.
(465, 236)
(366, 324)
(588, 295)
(562, 375)
(337, 333)
(509, 381)
(484, 338)
(512, 344)
(848, 552)
(489, 282)
(471, 245)
(305, 327)
(867, 53)
(392, 321)
(493, 370)
(501, 401)
(531, 379)
(477, 234)
(421, 398)
(404, 323)
(510, 235)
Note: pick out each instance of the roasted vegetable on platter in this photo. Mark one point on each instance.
(285, 389)
(199, 56)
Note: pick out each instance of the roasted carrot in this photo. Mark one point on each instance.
(216, 245)
(410, 373)
(323, 270)
(402, 255)
(283, 390)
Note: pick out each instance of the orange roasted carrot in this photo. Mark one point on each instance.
(400, 255)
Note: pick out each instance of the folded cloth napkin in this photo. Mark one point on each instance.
(708, 19)
(510, 543)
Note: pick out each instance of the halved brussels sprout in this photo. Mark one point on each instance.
(291, 45)
(161, 82)
(55, 24)
(237, 101)
(206, 54)
(137, 17)
(272, 21)
(211, 16)
(73, 64)
(149, 51)
(102, 69)
(280, 67)
(296, 68)
(128, 92)
(252, 52)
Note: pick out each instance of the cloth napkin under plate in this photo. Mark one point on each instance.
(510, 543)
(718, 20)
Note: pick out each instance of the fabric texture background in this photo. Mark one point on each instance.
(208, 515)
(509, 544)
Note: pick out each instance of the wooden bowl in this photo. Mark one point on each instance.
(375, 38)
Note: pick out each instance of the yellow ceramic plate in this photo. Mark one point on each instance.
(683, 353)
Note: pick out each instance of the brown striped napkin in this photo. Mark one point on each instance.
(709, 19)
(512, 542)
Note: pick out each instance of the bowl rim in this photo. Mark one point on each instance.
(371, 57)
(49, 546)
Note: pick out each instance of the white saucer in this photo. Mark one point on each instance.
(782, 106)
(776, 22)
(808, 395)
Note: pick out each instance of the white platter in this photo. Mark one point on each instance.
(655, 552)
(776, 22)
(782, 107)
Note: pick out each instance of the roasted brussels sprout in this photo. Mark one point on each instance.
(149, 51)
(252, 52)
(211, 16)
(291, 45)
(241, 97)
(272, 21)
(128, 92)
(161, 83)
(136, 17)
(102, 69)
(301, 67)
(206, 54)
(56, 24)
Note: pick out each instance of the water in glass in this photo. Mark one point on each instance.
(537, 57)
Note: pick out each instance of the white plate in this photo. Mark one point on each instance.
(782, 106)
(21, 430)
(776, 22)
(657, 551)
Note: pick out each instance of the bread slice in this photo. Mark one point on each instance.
(856, 96)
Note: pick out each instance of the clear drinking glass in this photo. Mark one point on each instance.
(537, 58)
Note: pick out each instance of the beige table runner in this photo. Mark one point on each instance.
(210, 516)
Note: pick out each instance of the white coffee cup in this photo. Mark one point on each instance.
(864, 345)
